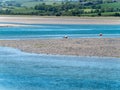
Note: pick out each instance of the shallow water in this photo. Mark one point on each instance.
(59, 31)
(24, 71)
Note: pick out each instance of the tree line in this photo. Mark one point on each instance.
(65, 9)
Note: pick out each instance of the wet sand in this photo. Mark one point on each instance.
(60, 20)
(101, 47)
(11, 25)
(80, 47)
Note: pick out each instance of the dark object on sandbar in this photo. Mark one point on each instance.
(100, 34)
(65, 37)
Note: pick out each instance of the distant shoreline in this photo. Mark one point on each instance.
(59, 20)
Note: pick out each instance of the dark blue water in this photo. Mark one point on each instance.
(59, 31)
(23, 71)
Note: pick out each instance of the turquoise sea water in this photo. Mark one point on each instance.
(23, 71)
(59, 31)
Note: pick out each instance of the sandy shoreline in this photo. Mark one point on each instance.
(11, 25)
(60, 20)
(78, 47)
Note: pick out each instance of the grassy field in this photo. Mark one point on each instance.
(111, 5)
(109, 13)
(32, 4)
(103, 14)
(23, 10)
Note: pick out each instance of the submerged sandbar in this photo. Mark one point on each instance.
(102, 47)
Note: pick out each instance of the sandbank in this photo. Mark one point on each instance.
(102, 47)
(59, 20)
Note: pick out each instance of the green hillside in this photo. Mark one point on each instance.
(32, 4)
(61, 8)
